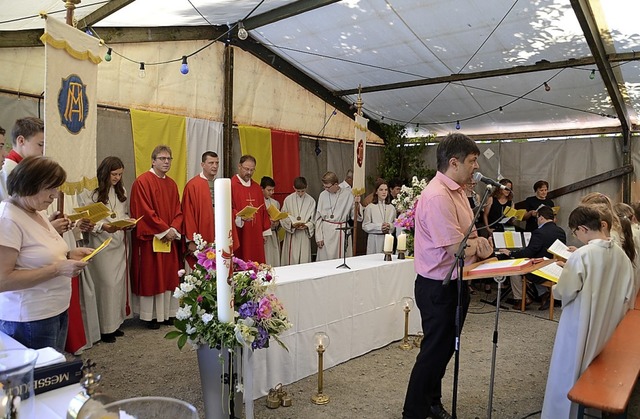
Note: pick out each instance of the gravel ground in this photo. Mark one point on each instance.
(143, 363)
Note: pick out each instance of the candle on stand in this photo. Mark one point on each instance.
(388, 243)
(402, 242)
(222, 198)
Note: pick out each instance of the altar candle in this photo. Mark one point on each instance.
(402, 242)
(388, 243)
(222, 198)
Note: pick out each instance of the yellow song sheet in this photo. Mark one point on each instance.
(97, 211)
(248, 211)
(97, 250)
(78, 216)
(125, 223)
(275, 214)
(160, 246)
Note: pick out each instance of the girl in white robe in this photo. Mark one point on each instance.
(298, 226)
(378, 218)
(596, 288)
(109, 269)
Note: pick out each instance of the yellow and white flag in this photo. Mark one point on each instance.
(359, 155)
(70, 110)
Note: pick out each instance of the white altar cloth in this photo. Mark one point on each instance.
(359, 308)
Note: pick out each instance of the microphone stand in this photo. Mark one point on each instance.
(459, 262)
(347, 232)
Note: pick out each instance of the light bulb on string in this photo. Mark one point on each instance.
(417, 127)
(184, 68)
(546, 86)
(107, 57)
(141, 73)
(242, 32)
(501, 110)
(457, 124)
(592, 75)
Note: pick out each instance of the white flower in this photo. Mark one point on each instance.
(190, 330)
(181, 273)
(207, 317)
(183, 313)
(178, 294)
(186, 287)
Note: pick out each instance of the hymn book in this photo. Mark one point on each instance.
(97, 250)
(247, 212)
(78, 216)
(97, 211)
(275, 214)
(125, 223)
(510, 213)
(160, 246)
(559, 249)
(501, 266)
(510, 240)
(550, 272)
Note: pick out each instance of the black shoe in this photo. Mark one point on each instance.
(544, 305)
(153, 325)
(438, 412)
(108, 337)
(169, 321)
(118, 333)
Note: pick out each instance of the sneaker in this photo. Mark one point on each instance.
(438, 412)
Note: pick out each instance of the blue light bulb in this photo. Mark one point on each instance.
(184, 68)
(457, 124)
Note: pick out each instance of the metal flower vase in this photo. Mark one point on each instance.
(219, 382)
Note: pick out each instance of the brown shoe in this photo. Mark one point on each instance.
(517, 304)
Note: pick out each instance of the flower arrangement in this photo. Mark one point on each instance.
(405, 203)
(258, 314)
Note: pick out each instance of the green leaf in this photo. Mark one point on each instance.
(173, 334)
(182, 341)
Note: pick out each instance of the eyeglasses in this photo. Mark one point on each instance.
(573, 232)
(164, 158)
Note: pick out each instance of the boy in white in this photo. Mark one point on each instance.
(272, 242)
(299, 226)
(378, 218)
(596, 288)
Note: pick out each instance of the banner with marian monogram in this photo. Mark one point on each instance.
(71, 75)
(359, 154)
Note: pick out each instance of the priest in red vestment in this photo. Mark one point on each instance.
(253, 229)
(154, 276)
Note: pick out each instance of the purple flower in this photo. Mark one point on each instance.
(262, 339)
(199, 299)
(264, 308)
(248, 309)
(207, 258)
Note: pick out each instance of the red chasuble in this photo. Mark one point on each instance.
(198, 210)
(156, 200)
(251, 239)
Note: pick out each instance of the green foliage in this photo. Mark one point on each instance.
(402, 157)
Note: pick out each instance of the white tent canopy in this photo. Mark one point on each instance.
(427, 64)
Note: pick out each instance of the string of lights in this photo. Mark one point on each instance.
(80, 6)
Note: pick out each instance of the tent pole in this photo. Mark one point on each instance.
(227, 143)
(70, 5)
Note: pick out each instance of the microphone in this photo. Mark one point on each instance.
(478, 177)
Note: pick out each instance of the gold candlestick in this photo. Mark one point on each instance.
(407, 302)
(322, 343)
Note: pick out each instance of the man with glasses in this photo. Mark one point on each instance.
(252, 229)
(155, 260)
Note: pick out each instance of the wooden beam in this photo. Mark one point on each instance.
(585, 183)
(160, 34)
(284, 12)
(284, 67)
(102, 12)
(522, 135)
(592, 34)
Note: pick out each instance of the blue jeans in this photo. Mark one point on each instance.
(39, 334)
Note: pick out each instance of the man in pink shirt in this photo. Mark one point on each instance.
(442, 218)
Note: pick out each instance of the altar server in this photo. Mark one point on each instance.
(596, 288)
(378, 218)
(299, 226)
(272, 242)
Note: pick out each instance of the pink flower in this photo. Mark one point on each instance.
(200, 298)
(264, 308)
(207, 258)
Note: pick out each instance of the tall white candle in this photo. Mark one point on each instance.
(388, 243)
(224, 248)
(402, 242)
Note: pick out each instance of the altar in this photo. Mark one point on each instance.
(359, 308)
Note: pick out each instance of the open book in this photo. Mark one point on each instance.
(248, 211)
(510, 213)
(97, 250)
(160, 246)
(550, 272)
(559, 249)
(501, 266)
(275, 214)
(78, 216)
(125, 223)
(555, 209)
(97, 211)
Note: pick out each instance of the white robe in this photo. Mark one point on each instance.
(334, 209)
(596, 288)
(109, 270)
(296, 247)
(272, 242)
(374, 216)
